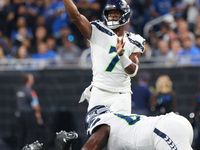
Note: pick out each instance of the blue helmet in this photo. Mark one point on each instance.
(94, 112)
(116, 5)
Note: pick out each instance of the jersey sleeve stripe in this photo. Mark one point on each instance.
(166, 138)
(102, 29)
(138, 44)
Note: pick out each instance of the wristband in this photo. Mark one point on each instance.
(125, 61)
(135, 72)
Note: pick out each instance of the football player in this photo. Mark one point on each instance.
(115, 55)
(121, 132)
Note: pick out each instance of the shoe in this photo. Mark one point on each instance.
(65, 139)
(33, 146)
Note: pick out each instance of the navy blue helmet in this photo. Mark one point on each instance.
(116, 5)
(94, 112)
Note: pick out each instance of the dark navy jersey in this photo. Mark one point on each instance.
(25, 96)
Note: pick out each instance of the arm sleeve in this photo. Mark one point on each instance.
(35, 100)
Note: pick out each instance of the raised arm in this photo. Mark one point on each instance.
(81, 21)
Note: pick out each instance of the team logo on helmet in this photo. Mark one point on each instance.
(94, 112)
(116, 5)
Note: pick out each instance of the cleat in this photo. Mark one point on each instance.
(65, 139)
(33, 146)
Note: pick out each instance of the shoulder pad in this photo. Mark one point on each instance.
(102, 27)
(137, 40)
(140, 39)
(96, 21)
(90, 126)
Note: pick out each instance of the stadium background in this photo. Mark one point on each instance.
(59, 84)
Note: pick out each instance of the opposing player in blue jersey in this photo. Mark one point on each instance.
(115, 55)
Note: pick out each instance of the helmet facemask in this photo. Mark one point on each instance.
(116, 5)
(112, 24)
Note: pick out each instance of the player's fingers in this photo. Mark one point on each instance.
(123, 44)
(117, 40)
(122, 40)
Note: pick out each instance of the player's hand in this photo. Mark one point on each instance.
(33, 146)
(65, 139)
(120, 46)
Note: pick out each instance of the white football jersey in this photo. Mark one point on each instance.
(108, 73)
(135, 132)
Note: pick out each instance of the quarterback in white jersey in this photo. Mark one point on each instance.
(108, 72)
(115, 55)
(136, 132)
(110, 82)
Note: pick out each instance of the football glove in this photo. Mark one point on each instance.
(33, 146)
(65, 139)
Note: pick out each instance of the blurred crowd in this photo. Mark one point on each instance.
(41, 29)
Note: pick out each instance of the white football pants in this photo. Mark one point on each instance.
(119, 102)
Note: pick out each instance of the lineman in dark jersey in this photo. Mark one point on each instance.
(28, 112)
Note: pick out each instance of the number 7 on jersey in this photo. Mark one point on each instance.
(114, 61)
